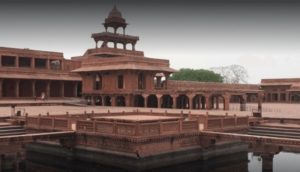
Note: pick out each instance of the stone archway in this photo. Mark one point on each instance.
(139, 101)
(198, 101)
(218, 100)
(182, 102)
(120, 101)
(152, 101)
(167, 101)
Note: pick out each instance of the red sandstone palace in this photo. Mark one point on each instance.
(116, 74)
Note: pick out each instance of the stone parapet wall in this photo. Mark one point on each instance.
(192, 85)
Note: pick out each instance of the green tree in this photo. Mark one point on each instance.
(196, 75)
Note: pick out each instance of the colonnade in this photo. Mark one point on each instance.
(175, 101)
(26, 88)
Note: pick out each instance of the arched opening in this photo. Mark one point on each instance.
(199, 102)
(159, 80)
(8, 88)
(25, 88)
(120, 101)
(182, 102)
(139, 101)
(217, 102)
(167, 101)
(98, 100)
(107, 101)
(152, 101)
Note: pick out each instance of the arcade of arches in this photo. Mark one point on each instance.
(176, 101)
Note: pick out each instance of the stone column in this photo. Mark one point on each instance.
(92, 100)
(62, 91)
(174, 97)
(127, 101)
(159, 97)
(145, 96)
(17, 61)
(217, 102)
(32, 63)
(267, 162)
(0, 61)
(75, 89)
(243, 103)
(17, 88)
(259, 102)
(191, 96)
(207, 101)
(48, 88)
(1, 81)
(48, 64)
(226, 101)
(113, 100)
(33, 88)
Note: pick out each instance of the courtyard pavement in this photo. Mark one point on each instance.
(269, 109)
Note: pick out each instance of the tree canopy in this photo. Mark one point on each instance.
(203, 75)
(232, 74)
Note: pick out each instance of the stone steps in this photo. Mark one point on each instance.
(275, 132)
(8, 130)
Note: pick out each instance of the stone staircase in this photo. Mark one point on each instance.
(275, 132)
(8, 130)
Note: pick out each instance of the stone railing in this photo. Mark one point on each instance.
(137, 129)
(48, 123)
(221, 123)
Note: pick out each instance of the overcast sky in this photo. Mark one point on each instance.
(263, 36)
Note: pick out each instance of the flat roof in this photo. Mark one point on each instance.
(137, 118)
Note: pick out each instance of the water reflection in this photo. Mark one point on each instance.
(252, 161)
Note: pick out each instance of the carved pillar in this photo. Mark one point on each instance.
(159, 97)
(48, 64)
(217, 103)
(1, 81)
(259, 102)
(75, 89)
(124, 46)
(267, 162)
(92, 100)
(243, 103)
(33, 88)
(17, 88)
(0, 61)
(48, 88)
(145, 96)
(226, 101)
(191, 96)
(174, 97)
(207, 101)
(32, 63)
(113, 100)
(133, 47)
(103, 100)
(17, 61)
(127, 100)
(62, 89)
